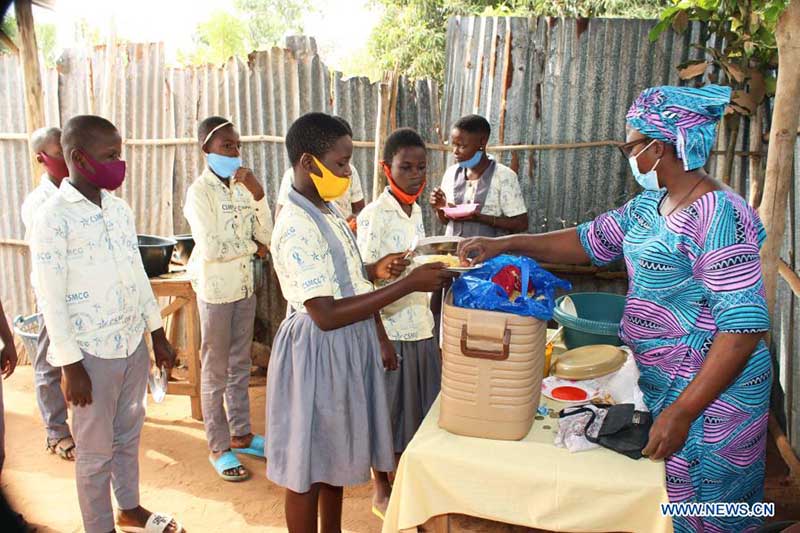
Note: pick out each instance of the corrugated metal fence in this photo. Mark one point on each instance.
(542, 84)
(157, 110)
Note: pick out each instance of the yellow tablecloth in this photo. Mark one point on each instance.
(529, 482)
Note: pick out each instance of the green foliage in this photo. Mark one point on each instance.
(747, 53)
(46, 42)
(269, 20)
(411, 35)
(45, 38)
(220, 37)
(255, 25)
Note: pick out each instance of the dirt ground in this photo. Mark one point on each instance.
(175, 475)
(177, 478)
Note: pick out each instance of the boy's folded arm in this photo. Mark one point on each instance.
(212, 245)
(48, 254)
(262, 222)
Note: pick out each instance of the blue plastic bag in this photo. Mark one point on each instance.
(476, 290)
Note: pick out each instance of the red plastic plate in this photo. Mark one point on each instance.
(569, 394)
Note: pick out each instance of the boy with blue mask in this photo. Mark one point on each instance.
(231, 225)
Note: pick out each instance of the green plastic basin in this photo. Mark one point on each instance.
(599, 315)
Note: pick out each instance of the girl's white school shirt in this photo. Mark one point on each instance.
(302, 258)
(90, 281)
(225, 222)
(503, 199)
(383, 229)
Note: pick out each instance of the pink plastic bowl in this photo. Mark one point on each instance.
(460, 211)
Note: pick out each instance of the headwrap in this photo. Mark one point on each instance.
(683, 116)
(215, 130)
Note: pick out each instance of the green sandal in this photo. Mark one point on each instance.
(228, 461)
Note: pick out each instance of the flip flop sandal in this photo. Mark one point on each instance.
(377, 512)
(157, 523)
(62, 451)
(228, 461)
(255, 449)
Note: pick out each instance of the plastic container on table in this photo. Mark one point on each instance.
(599, 316)
(492, 368)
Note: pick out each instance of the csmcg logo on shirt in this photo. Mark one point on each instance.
(88, 221)
(77, 297)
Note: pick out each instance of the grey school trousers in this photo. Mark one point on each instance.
(227, 333)
(49, 396)
(106, 434)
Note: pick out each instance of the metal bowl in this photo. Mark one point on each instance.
(437, 246)
(183, 248)
(156, 253)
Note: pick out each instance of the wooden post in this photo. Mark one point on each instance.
(780, 157)
(756, 162)
(381, 131)
(34, 99)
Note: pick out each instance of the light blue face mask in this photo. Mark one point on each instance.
(473, 161)
(224, 166)
(649, 180)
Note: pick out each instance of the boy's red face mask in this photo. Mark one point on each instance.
(56, 166)
(399, 193)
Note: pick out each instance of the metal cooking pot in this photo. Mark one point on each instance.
(156, 253)
(183, 250)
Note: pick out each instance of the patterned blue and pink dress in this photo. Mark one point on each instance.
(694, 274)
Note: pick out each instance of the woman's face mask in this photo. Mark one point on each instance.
(648, 180)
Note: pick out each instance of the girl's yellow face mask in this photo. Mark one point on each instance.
(329, 185)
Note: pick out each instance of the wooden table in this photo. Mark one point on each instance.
(182, 303)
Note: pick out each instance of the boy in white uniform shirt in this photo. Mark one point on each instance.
(98, 304)
(350, 203)
(231, 222)
(46, 144)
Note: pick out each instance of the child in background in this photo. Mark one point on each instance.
(231, 222)
(349, 204)
(327, 418)
(386, 226)
(479, 178)
(46, 144)
(98, 304)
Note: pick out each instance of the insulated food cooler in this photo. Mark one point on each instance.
(492, 368)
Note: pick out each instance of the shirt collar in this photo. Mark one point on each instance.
(73, 195)
(46, 183)
(211, 179)
(390, 203)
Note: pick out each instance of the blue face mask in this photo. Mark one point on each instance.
(648, 181)
(223, 165)
(473, 161)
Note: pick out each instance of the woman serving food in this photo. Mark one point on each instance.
(696, 310)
